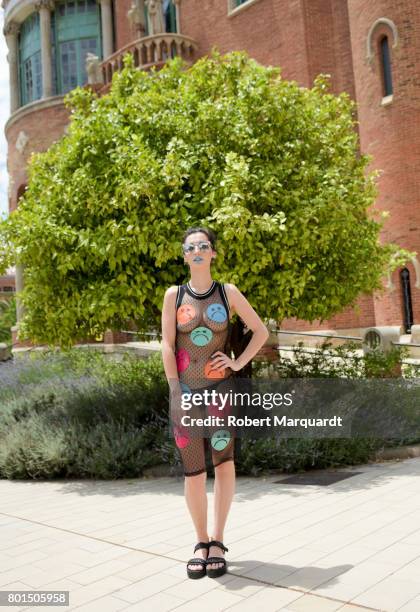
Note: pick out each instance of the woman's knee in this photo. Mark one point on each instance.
(223, 465)
(196, 476)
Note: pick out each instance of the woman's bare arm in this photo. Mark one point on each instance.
(169, 334)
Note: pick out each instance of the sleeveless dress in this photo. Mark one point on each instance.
(202, 328)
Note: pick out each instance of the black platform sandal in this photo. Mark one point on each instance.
(198, 561)
(218, 571)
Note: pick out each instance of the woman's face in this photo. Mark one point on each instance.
(198, 256)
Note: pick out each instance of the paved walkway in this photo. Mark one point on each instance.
(122, 545)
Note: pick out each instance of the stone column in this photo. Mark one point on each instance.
(106, 23)
(45, 7)
(10, 31)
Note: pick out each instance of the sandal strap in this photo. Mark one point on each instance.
(197, 561)
(219, 544)
(211, 560)
(202, 545)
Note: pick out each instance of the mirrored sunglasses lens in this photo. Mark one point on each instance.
(204, 246)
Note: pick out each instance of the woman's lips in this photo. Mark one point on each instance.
(198, 259)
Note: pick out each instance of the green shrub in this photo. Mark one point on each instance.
(81, 414)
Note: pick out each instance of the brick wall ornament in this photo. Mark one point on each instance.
(378, 22)
(48, 4)
(21, 141)
(10, 187)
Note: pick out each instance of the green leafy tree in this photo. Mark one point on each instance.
(273, 167)
(7, 319)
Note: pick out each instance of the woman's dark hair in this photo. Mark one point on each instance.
(209, 233)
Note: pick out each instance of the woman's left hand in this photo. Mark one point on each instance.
(219, 361)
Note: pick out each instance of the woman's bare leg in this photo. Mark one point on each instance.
(196, 498)
(224, 490)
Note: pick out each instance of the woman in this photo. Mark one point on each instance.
(195, 326)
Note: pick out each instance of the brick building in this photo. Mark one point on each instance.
(369, 48)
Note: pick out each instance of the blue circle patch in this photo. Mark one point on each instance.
(216, 312)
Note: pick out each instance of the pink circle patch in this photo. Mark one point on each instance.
(182, 360)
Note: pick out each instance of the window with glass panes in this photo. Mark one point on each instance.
(76, 33)
(169, 13)
(30, 72)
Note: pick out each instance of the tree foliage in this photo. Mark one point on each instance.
(272, 167)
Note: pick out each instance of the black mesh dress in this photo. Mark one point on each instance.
(202, 328)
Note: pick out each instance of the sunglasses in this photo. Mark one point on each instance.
(204, 246)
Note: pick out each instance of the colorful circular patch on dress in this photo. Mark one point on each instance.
(220, 439)
(182, 360)
(216, 312)
(211, 372)
(185, 314)
(201, 335)
(182, 439)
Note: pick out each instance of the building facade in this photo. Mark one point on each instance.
(368, 47)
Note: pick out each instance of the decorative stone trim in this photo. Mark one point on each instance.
(11, 28)
(386, 100)
(47, 4)
(21, 141)
(234, 10)
(150, 51)
(380, 21)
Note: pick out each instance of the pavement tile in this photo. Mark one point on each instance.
(103, 604)
(210, 602)
(389, 594)
(146, 587)
(312, 603)
(149, 567)
(411, 606)
(96, 590)
(269, 599)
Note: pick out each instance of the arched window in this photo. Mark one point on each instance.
(386, 66)
(407, 304)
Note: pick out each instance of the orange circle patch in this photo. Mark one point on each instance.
(185, 314)
(211, 372)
